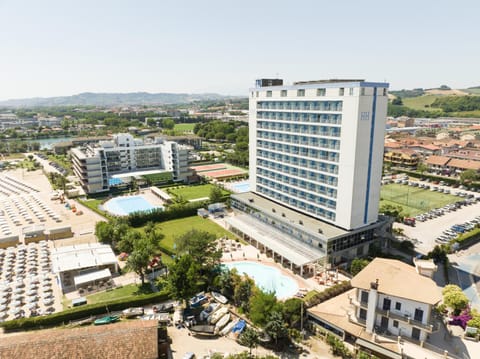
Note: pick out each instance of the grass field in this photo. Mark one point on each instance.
(418, 103)
(184, 127)
(414, 200)
(187, 193)
(177, 227)
(118, 293)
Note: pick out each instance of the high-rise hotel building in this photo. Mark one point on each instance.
(316, 149)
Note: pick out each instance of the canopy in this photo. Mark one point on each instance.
(91, 276)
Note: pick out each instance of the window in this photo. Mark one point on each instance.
(395, 323)
(398, 306)
(363, 314)
(283, 93)
(321, 92)
(364, 297)
(418, 315)
(350, 91)
(269, 93)
(384, 92)
(386, 304)
(300, 93)
(341, 91)
(362, 91)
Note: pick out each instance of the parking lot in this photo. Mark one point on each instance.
(429, 229)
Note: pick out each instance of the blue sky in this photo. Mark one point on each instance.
(53, 48)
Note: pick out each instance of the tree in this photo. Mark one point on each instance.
(216, 194)
(226, 281)
(392, 211)
(454, 298)
(261, 305)
(183, 275)
(276, 327)
(357, 265)
(337, 347)
(438, 254)
(201, 246)
(243, 291)
(422, 168)
(127, 243)
(140, 257)
(111, 232)
(397, 101)
(468, 176)
(292, 312)
(249, 338)
(168, 123)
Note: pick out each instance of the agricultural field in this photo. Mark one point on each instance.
(188, 193)
(177, 227)
(414, 200)
(419, 103)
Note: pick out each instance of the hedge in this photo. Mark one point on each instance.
(448, 180)
(328, 293)
(469, 238)
(81, 312)
(138, 219)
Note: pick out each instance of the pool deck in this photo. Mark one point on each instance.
(252, 254)
(147, 194)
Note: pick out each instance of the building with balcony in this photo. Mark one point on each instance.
(403, 157)
(99, 165)
(387, 298)
(316, 151)
(390, 301)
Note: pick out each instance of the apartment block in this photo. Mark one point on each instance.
(95, 164)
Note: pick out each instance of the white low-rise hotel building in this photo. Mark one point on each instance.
(96, 165)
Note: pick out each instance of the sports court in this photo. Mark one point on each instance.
(414, 200)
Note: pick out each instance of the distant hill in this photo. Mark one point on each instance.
(112, 99)
(475, 90)
(435, 102)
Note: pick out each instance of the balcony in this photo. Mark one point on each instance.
(429, 327)
(354, 301)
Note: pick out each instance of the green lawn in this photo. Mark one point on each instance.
(184, 127)
(117, 293)
(93, 204)
(177, 227)
(418, 103)
(414, 200)
(187, 193)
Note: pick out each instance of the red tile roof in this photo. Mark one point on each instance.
(464, 164)
(133, 339)
(437, 160)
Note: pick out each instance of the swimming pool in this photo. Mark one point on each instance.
(123, 206)
(241, 187)
(267, 278)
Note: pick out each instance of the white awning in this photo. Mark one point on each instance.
(295, 251)
(92, 276)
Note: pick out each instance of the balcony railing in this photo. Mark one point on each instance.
(429, 327)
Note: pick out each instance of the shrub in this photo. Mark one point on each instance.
(337, 347)
(138, 219)
(328, 293)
